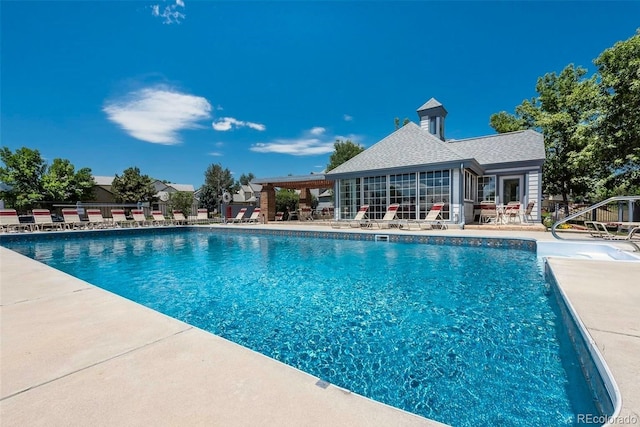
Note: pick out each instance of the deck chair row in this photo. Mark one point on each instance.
(432, 220)
(43, 220)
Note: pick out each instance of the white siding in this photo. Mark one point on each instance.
(534, 192)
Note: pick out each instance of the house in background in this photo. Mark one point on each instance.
(248, 194)
(104, 194)
(164, 190)
(416, 167)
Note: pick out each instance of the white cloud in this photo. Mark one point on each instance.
(299, 147)
(347, 118)
(226, 123)
(170, 13)
(157, 114)
(308, 145)
(215, 154)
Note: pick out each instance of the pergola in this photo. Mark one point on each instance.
(304, 183)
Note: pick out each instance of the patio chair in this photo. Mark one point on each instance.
(159, 219)
(279, 216)
(120, 219)
(96, 220)
(254, 218)
(390, 218)
(434, 218)
(360, 220)
(527, 217)
(512, 212)
(72, 220)
(179, 218)
(488, 213)
(305, 214)
(9, 220)
(239, 217)
(139, 218)
(44, 221)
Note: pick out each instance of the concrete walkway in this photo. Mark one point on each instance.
(75, 355)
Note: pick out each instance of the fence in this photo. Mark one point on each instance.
(619, 211)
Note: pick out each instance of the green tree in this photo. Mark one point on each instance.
(343, 151)
(564, 111)
(208, 198)
(61, 182)
(618, 145)
(23, 172)
(397, 124)
(286, 200)
(218, 179)
(503, 122)
(181, 201)
(132, 187)
(246, 179)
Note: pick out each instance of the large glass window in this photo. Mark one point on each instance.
(349, 197)
(375, 195)
(435, 187)
(402, 190)
(487, 188)
(470, 189)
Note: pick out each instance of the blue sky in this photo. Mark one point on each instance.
(267, 86)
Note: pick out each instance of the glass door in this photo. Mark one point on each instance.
(511, 187)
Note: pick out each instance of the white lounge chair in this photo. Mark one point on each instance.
(254, 218)
(43, 220)
(159, 219)
(179, 218)
(72, 220)
(279, 216)
(360, 220)
(434, 218)
(96, 220)
(139, 218)
(10, 221)
(390, 218)
(599, 229)
(120, 219)
(202, 216)
(239, 217)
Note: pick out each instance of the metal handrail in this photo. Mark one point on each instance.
(592, 208)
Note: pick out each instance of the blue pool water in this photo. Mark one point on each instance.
(464, 335)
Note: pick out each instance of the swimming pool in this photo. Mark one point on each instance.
(467, 336)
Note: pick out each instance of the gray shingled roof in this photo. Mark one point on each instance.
(412, 146)
(408, 146)
(432, 103)
(519, 146)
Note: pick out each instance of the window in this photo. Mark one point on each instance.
(375, 195)
(435, 187)
(487, 188)
(349, 197)
(402, 190)
(432, 125)
(470, 184)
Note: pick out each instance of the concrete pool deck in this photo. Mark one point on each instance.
(74, 354)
